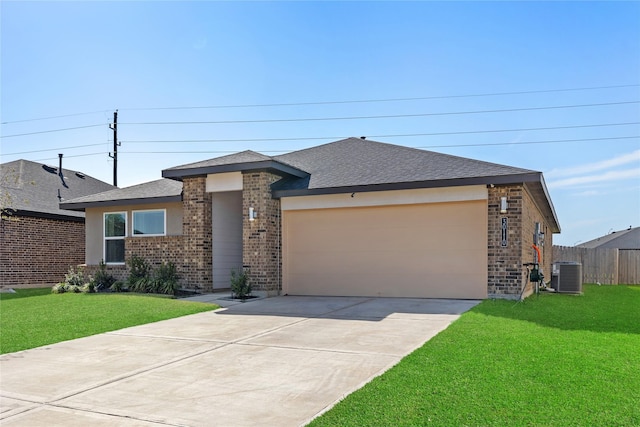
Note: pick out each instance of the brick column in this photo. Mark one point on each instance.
(261, 238)
(196, 231)
(505, 272)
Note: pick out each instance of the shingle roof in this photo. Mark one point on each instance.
(623, 239)
(32, 188)
(245, 160)
(357, 162)
(161, 190)
(351, 164)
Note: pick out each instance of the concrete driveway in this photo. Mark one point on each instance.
(278, 361)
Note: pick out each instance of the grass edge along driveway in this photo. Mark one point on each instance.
(35, 317)
(552, 360)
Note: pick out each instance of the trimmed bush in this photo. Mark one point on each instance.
(102, 280)
(240, 284)
(166, 279)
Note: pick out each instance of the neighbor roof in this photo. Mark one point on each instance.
(34, 189)
(159, 191)
(623, 239)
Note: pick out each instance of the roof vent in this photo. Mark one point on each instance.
(50, 169)
(363, 137)
(80, 175)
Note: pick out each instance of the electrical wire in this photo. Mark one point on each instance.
(390, 116)
(53, 149)
(54, 117)
(291, 104)
(423, 146)
(377, 136)
(51, 130)
(420, 98)
(419, 147)
(333, 137)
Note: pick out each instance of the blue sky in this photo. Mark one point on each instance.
(83, 60)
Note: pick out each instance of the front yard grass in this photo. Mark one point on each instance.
(35, 317)
(552, 360)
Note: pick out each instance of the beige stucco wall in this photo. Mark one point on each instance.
(94, 225)
(382, 198)
(428, 250)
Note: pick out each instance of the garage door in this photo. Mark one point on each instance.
(434, 250)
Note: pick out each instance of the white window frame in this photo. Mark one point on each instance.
(133, 223)
(105, 238)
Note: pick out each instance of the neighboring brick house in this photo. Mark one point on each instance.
(38, 240)
(352, 217)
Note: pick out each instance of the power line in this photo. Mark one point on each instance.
(292, 104)
(553, 107)
(532, 142)
(53, 149)
(423, 146)
(51, 130)
(74, 155)
(333, 137)
(380, 136)
(53, 117)
(390, 116)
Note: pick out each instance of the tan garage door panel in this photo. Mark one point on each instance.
(428, 251)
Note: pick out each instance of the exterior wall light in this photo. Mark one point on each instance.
(503, 205)
(252, 214)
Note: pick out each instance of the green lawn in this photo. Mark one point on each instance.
(552, 360)
(35, 317)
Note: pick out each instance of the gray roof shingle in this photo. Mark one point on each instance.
(351, 164)
(357, 162)
(161, 190)
(33, 188)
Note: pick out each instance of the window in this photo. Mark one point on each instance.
(115, 230)
(149, 223)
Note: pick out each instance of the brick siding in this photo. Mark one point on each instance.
(506, 274)
(261, 237)
(37, 252)
(197, 232)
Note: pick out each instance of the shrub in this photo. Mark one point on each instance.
(74, 278)
(240, 284)
(102, 280)
(166, 279)
(139, 279)
(75, 289)
(117, 286)
(73, 282)
(89, 288)
(58, 288)
(142, 285)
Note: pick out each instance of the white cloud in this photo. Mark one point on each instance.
(596, 166)
(603, 177)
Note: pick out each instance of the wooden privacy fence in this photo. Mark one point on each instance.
(606, 266)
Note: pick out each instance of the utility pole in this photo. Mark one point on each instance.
(116, 144)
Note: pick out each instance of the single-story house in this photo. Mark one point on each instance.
(39, 241)
(351, 217)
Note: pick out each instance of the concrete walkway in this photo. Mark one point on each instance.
(277, 361)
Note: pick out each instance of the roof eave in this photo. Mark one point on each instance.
(269, 165)
(547, 205)
(81, 206)
(47, 215)
(456, 182)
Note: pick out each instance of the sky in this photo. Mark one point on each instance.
(547, 86)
